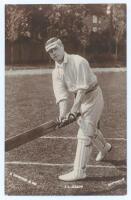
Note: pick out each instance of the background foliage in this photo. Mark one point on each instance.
(27, 27)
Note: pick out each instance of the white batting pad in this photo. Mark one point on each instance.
(83, 153)
(99, 141)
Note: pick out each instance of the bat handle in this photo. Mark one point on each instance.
(68, 121)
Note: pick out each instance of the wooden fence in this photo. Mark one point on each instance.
(28, 52)
(25, 52)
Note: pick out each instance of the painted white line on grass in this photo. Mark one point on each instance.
(74, 138)
(28, 72)
(58, 137)
(49, 71)
(109, 69)
(61, 164)
(36, 163)
(117, 139)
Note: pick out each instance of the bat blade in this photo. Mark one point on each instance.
(35, 133)
(30, 135)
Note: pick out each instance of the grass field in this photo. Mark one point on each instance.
(30, 102)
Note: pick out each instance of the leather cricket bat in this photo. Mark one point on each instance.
(43, 129)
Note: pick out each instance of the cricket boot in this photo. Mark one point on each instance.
(83, 153)
(101, 144)
(101, 155)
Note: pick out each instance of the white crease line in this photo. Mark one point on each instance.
(36, 163)
(119, 139)
(60, 164)
(74, 138)
(58, 137)
(122, 69)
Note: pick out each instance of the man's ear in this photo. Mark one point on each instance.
(62, 47)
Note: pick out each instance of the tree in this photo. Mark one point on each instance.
(16, 24)
(71, 22)
(16, 21)
(118, 16)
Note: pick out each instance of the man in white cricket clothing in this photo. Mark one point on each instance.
(73, 74)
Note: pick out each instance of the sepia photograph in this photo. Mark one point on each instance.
(65, 99)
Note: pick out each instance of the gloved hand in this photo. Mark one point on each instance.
(61, 119)
(71, 116)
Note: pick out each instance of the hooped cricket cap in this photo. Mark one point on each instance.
(52, 43)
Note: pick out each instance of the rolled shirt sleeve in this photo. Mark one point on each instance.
(59, 85)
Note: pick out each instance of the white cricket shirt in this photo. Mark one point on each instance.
(70, 76)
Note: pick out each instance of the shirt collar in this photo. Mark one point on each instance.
(64, 61)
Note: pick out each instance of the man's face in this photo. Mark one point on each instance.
(57, 53)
